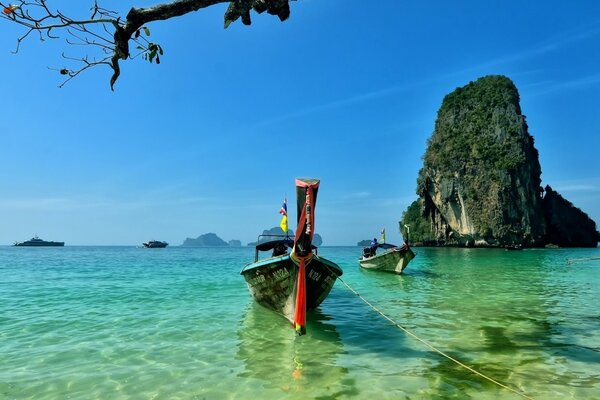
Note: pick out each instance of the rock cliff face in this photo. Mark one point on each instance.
(480, 181)
(567, 225)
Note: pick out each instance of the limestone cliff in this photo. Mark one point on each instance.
(567, 225)
(480, 181)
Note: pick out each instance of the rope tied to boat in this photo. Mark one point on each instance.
(432, 347)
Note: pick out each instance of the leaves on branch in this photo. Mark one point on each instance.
(110, 35)
(152, 52)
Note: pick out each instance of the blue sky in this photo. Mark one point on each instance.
(212, 139)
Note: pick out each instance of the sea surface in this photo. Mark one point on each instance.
(179, 323)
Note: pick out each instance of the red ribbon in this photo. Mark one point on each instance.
(300, 313)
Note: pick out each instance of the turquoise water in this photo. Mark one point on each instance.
(179, 323)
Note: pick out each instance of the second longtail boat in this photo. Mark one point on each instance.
(391, 259)
(290, 283)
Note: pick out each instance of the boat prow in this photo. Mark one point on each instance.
(294, 278)
(272, 282)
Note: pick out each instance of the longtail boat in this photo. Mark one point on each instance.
(392, 259)
(294, 278)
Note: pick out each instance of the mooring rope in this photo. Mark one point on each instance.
(432, 347)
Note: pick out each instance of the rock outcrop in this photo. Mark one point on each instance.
(567, 225)
(480, 181)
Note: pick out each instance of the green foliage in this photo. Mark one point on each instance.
(420, 227)
(151, 51)
(480, 139)
(477, 125)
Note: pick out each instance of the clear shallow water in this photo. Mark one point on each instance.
(176, 323)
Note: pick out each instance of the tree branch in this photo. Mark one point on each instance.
(35, 15)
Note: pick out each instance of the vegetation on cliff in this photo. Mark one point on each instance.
(481, 171)
(469, 130)
(419, 226)
(480, 183)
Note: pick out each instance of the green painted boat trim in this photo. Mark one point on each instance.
(266, 261)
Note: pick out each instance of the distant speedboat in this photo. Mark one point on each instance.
(37, 242)
(292, 282)
(155, 244)
(393, 259)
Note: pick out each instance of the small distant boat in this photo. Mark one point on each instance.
(155, 244)
(513, 247)
(392, 259)
(37, 242)
(292, 282)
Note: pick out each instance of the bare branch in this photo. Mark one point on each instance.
(37, 16)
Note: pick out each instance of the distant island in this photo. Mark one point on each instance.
(212, 240)
(480, 184)
(209, 240)
(364, 243)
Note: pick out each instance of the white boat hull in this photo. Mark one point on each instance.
(393, 260)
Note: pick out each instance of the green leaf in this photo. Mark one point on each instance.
(146, 31)
(160, 50)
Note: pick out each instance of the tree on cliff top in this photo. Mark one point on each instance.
(112, 38)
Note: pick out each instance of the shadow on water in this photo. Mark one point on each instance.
(272, 353)
(388, 277)
(449, 380)
(510, 315)
(365, 331)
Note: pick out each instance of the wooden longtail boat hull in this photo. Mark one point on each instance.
(393, 260)
(272, 282)
(290, 284)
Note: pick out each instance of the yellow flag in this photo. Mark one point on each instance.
(283, 224)
(283, 211)
(383, 235)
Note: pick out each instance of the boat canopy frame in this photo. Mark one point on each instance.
(285, 241)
